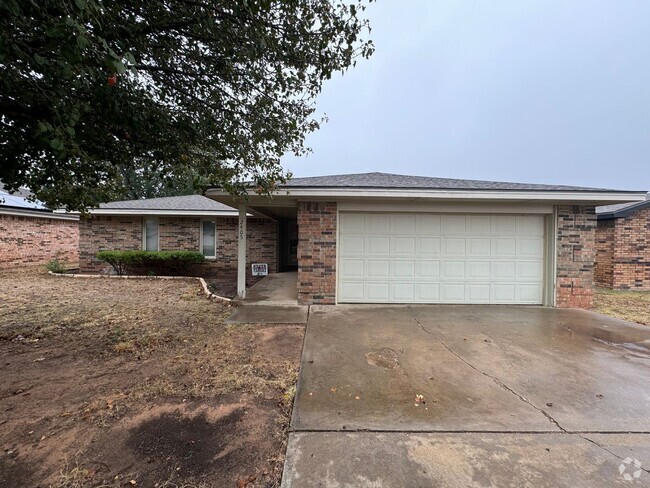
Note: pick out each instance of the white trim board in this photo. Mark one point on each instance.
(436, 207)
(39, 215)
(595, 197)
(165, 213)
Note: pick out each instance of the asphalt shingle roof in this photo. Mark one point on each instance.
(188, 202)
(613, 210)
(387, 180)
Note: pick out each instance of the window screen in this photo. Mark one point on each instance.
(209, 239)
(151, 234)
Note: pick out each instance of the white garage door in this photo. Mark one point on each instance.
(433, 258)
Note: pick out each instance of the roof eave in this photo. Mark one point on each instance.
(157, 212)
(36, 213)
(595, 197)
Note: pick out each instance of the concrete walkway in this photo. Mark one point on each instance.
(274, 289)
(511, 396)
(272, 300)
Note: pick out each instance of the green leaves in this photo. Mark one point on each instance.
(218, 90)
(176, 262)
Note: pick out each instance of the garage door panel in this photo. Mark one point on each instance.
(352, 245)
(532, 226)
(530, 247)
(434, 258)
(479, 224)
(504, 270)
(377, 224)
(478, 270)
(429, 246)
(402, 245)
(428, 269)
(504, 225)
(505, 247)
(403, 269)
(401, 224)
(378, 292)
(403, 292)
(479, 246)
(352, 268)
(453, 224)
(428, 224)
(477, 293)
(530, 271)
(453, 246)
(453, 270)
(427, 292)
(353, 291)
(378, 268)
(378, 245)
(351, 223)
(529, 293)
(503, 293)
(452, 292)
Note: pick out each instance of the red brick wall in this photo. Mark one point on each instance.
(604, 271)
(576, 253)
(632, 252)
(33, 240)
(106, 234)
(179, 233)
(316, 252)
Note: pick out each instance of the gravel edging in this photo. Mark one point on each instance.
(204, 285)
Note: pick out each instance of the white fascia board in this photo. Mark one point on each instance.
(539, 208)
(36, 214)
(570, 196)
(415, 194)
(164, 213)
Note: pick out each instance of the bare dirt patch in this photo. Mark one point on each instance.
(633, 306)
(107, 382)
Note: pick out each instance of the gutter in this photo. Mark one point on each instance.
(595, 196)
(41, 214)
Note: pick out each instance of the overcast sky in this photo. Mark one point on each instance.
(548, 91)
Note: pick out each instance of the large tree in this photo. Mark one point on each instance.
(93, 90)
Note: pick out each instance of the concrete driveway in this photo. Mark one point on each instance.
(511, 396)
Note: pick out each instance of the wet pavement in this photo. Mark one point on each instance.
(509, 396)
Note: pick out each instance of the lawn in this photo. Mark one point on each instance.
(114, 383)
(633, 306)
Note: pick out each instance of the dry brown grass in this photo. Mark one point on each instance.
(112, 349)
(633, 306)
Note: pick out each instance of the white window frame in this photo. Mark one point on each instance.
(144, 232)
(214, 222)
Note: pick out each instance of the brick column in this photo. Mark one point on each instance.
(605, 235)
(576, 254)
(632, 252)
(316, 253)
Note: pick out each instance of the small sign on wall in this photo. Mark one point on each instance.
(260, 269)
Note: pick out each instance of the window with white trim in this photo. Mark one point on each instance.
(150, 234)
(209, 239)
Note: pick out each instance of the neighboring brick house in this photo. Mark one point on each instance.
(623, 246)
(31, 234)
(385, 238)
(190, 223)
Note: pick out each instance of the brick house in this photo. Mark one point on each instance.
(31, 234)
(623, 246)
(191, 223)
(384, 238)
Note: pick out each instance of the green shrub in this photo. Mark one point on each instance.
(175, 261)
(55, 266)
